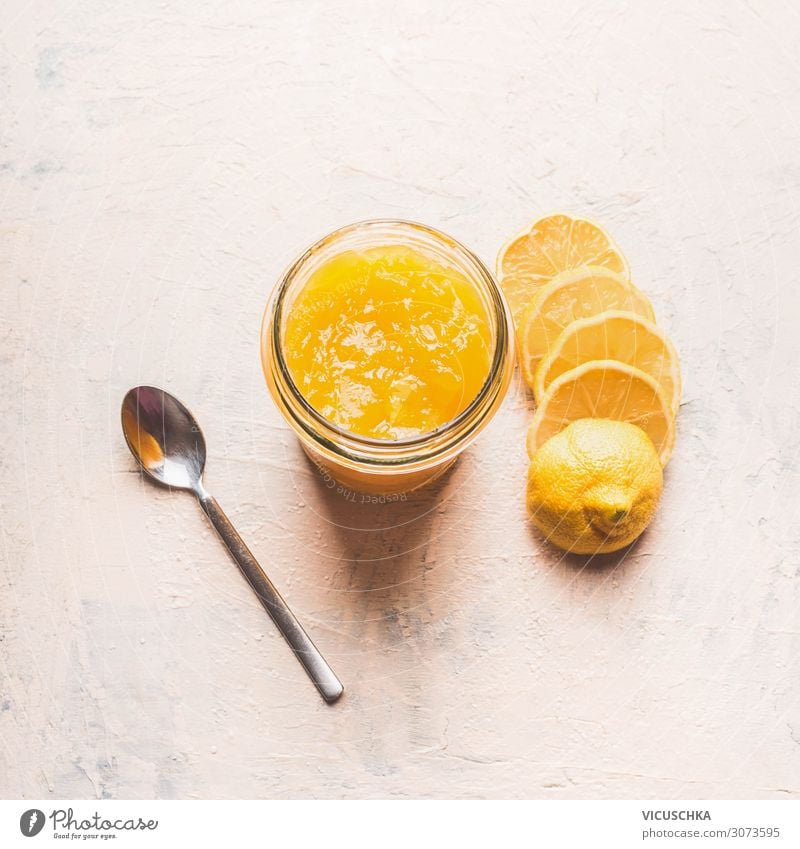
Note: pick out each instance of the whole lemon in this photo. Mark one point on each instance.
(594, 487)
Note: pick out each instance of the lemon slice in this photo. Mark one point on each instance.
(549, 246)
(572, 295)
(613, 335)
(605, 389)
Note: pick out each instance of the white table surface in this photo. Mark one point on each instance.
(160, 164)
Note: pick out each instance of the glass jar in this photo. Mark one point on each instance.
(385, 466)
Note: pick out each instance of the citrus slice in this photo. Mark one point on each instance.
(605, 389)
(614, 335)
(549, 246)
(572, 295)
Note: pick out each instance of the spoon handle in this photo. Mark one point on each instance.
(329, 686)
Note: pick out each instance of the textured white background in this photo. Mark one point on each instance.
(160, 163)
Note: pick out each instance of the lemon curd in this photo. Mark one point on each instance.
(388, 347)
(388, 341)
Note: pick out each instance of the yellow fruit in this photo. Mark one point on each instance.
(613, 335)
(604, 389)
(594, 487)
(549, 246)
(572, 295)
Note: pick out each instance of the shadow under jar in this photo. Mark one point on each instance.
(402, 460)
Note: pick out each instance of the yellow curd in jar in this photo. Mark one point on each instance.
(388, 342)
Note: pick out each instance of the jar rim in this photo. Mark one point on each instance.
(331, 434)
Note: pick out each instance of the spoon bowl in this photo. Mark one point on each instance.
(164, 437)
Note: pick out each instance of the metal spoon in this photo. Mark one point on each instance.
(169, 445)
